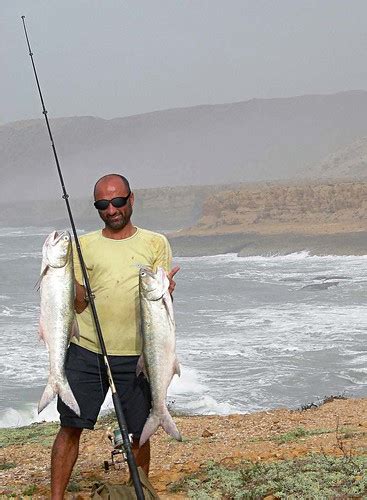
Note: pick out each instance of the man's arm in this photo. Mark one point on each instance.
(80, 303)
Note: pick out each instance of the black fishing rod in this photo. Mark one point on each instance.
(116, 400)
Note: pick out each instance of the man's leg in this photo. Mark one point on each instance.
(142, 455)
(89, 385)
(65, 451)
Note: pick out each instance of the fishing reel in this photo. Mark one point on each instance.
(118, 456)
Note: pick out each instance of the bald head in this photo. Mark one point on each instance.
(111, 178)
(115, 189)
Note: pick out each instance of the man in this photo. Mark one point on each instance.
(112, 256)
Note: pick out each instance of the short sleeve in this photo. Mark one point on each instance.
(77, 267)
(163, 253)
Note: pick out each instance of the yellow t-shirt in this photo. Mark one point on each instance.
(113, 270)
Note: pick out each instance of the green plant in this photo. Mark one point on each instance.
(73, 486)
(30, 490)
(42, 433)
(7, 465)
(298, 433)
(314, 476)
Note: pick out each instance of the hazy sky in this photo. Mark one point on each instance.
(112, 58)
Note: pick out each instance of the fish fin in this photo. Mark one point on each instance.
(63, 390)
(169, 426)
(140, 367)
(48, 395)
(152, 424)
(176, 368)
(44, 270)
(167, 301)
(150, 427)
(41, 334)
(66, 394)
(164, 278)
(75, 329)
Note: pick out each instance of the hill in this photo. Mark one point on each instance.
(260, 139)
(273, 218)
(305, 208)
(347, 162)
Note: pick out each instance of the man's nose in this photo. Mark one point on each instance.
(111, 209)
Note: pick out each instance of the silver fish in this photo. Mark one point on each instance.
(57, 318)
(158, 361)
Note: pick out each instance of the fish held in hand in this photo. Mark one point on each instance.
(158, 361)
(57, 318)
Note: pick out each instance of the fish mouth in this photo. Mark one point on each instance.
(57, 236)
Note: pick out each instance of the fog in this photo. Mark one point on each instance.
(114, 58)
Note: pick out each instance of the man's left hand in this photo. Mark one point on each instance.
(170, 276)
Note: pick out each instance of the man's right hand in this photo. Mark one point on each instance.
(79, 302)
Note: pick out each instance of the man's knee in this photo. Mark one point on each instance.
(69, 434)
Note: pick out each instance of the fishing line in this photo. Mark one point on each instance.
(116, 400)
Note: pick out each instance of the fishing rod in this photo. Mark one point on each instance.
(115, 398)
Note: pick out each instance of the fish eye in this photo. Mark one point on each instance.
(143, 273)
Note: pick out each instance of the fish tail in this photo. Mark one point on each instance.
(154, 421)
(63, 390)
(48, 395)
(66, 394)
(169, 426)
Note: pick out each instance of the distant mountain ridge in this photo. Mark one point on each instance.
(346, 162)
(256, 140)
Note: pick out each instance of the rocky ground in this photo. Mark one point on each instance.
(336, 428)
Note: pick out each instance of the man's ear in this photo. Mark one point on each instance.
(132, 199)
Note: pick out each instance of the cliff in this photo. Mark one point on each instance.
(266, 219)
(307, 208)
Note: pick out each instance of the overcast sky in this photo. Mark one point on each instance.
(112, 58)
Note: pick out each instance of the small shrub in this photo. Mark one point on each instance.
(293, 435)
(299, 432)
(42, 433)
(30, 490)
(73, 486)
(7, 465)
(314, 476)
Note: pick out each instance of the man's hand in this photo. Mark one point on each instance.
(170, 276)
(80, 303)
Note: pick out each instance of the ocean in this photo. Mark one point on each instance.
(253, 333)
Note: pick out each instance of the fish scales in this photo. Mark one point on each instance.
(57, 317)
(158, 361)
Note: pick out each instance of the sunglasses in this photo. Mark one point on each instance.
(118, 202)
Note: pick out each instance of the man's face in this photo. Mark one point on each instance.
(107, 189)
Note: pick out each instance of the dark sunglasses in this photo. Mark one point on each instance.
(118, 202)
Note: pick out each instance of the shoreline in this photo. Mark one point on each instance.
(255, 244)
